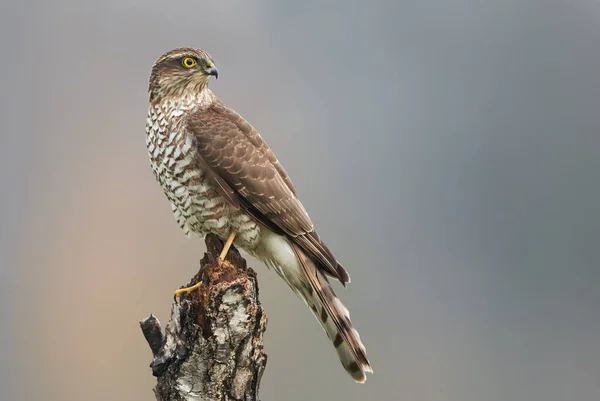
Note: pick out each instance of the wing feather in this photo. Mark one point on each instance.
(245, 171)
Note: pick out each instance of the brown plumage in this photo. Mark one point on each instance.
(220, 176)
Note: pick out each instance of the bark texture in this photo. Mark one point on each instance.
(212, 348)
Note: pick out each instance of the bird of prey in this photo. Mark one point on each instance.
(221, 177)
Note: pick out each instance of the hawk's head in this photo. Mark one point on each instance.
(179, 71)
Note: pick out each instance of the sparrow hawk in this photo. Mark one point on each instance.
(221, 177)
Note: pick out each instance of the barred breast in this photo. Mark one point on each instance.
(197, 207)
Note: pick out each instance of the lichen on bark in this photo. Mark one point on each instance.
(212, 348)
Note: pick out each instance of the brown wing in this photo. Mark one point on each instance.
(246, 172)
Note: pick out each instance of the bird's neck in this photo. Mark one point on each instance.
(187, 100)
(202, 98)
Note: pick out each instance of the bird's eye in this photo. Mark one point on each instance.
(189, 62)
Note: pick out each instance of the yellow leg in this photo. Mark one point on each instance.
(221, 258)
(188, 289)
(227, 246)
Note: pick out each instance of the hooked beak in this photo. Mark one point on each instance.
(212, 71)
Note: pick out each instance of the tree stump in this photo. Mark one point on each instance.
(212, 348)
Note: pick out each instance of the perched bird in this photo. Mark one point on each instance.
(222, 178)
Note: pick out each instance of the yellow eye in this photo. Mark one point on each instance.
(189, 62)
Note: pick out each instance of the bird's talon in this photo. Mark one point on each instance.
(187, 290)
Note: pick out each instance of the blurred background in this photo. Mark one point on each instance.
(448, 151)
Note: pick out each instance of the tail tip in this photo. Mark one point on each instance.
(359, 372)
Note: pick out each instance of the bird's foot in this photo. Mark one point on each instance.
(187, 290)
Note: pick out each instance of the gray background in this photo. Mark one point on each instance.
(448, 152)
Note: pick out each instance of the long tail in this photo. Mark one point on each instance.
(318, 294)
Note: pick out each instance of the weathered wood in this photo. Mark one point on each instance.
(212, 348)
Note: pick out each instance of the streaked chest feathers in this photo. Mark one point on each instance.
(196, 205)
